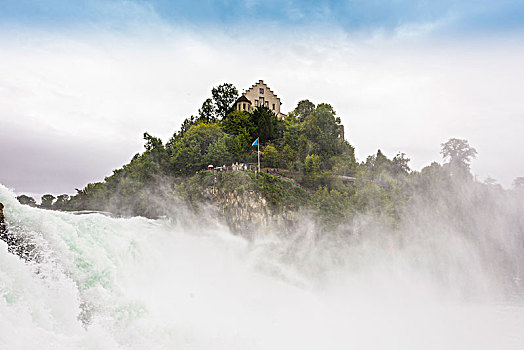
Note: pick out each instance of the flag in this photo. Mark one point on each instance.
(255, 143)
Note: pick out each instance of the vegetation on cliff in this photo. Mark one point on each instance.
(310, 166)
(280, 195)
(306, 146)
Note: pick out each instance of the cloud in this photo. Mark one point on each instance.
(353, 16)
(422, 29)
(38, 160)
(94, 94)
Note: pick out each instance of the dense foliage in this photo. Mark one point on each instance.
(310, 166)
(305, 146)
(280, 195)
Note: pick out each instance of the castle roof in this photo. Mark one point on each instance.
(243, 98)
(261, 82)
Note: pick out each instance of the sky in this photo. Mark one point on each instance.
(81, 81)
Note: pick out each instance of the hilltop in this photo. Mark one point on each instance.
(306, 165)
(306, 146)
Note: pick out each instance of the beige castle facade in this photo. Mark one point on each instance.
(259, 95)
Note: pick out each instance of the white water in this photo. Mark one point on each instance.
(156, 284)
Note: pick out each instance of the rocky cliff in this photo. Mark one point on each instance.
(3, 227)
(17, 242)
(248, 212)
(247, 203)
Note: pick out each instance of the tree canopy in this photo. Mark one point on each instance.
(223, 97)
(26, 200)
(306, 146)
(458, 153)
(47, 201)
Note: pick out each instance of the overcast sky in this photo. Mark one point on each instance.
(80, 81)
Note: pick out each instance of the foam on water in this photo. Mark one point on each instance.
(114, 283)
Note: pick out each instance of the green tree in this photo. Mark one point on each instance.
(291, 134)
(155, 153)
(270, 156)
(238, 122)
(312, 165)
(331, 206)
(265, 124)
(379, 165)
(432, 179)
(288, 156)
(459, 153)
(218, 152)
(399, 164)
(186, 125)
(152, 143)
(304, 109)
(370, 198)
(304, 148)
(47, 201)
(188, 154)
(26, 200)
(343, 164)
(380, 162)
(240, 146)
(61, 201)
(207, 113)
(322, 130)
(224, 96)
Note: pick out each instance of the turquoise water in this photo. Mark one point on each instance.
(135, 283)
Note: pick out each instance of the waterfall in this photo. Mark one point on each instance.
(134, 283)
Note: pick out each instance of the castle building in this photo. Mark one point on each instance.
(259, 95)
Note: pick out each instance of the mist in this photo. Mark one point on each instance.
(447, 275)
(397, 256)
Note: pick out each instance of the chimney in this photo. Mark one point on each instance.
(261, 81)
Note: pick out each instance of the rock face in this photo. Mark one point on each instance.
(245, 212)
(3, 227)
(17, 243)
(248, 213)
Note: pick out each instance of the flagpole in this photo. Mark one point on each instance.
(258, 153)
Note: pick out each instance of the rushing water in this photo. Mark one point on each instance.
(113, 283)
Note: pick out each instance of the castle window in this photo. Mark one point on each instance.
(267, 104)
(262, 91)
(273, 106)
(244, 106)
(256, 103)
(261, 102)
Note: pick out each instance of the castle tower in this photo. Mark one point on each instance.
(259, 95)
